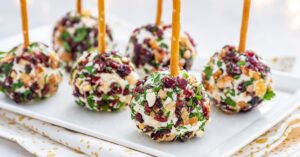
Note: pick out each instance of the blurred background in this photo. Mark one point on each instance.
(274, 24)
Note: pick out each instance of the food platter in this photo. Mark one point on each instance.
(224, 135)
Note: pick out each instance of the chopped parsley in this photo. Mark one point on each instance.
(163, 45)
(198, 115)
(236, 77)
(241, 63)
(230, 102)
(90, 101)
(90, 69)
(185, 75)
(219, 63)
(6, 68)
(208, 72)
(17, 85)
(80, 34)
(269, 95)
(65, 35)
(248, 83)
(66, 46)
(170, 95)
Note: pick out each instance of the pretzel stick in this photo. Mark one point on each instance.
(159, 12)
(24, 22)
(79, 7)
(174, 64)
(244, 26)
(101, 26)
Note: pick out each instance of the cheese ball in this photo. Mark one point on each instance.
(74, 34)
(237, 82)
(150, 49)
(29, 73)
(103, 82)
(170, 108)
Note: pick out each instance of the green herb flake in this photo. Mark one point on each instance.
(1, 52)
(80, 34)
(17, 85)
(182, 51)
(170, 95)
(157, 79)
(236, 77)
(219, 63)
(6, 68)
(185, 75)
(79, 103)
(241, 63)
(90, 101)
(230, 102)
(105, 97)
(208, 72)
(66, 46)
(90, 69)
(198, 97)
(65, 35)
(269, 95)
(249, 82)
(199, 115)
(163, 45)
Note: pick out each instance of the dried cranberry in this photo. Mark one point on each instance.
(185, 136)
(255, 101)
(241, 87)
(158, 103)
(115, 88)
(139, 117)
(98, 94)
(168, 82)
(138, 89)
(249, 54)
(188, 92)
(34, 87)
(94, 79)
(148, 128)
(205, 112)
(178, 122)
(114, 65)
(232, 69)
(124, 70)
(253, 62)
(126, 91)
(160, 118)
(139, 82)
(182, 83)
(158, 134)
(17, 97)
(45, 90)
(147, 109)
(28, 68)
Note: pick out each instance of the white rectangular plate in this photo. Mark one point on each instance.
(224, 135)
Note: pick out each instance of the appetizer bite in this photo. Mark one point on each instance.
(173, 105)
(149, 47)
(102, 80)
(237, 80)
(76, 33)
(29, 71)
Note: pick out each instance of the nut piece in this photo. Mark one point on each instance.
(6, 59)
(260, 88)
(225, 81)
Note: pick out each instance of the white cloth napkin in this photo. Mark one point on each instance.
(282, 140)
(47, 140)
